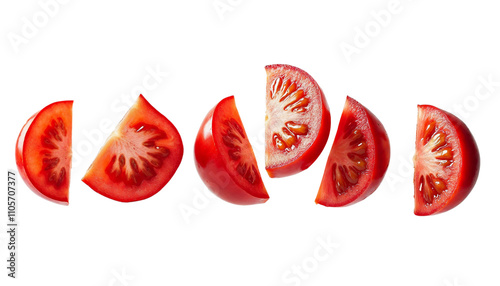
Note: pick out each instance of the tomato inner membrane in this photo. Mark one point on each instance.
(55, 149)
(291, 98)
(137, 155)
(350, 158)
(435, 152)
(233, 137)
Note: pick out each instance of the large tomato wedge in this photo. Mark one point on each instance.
(43, 151)
(446, 161)
(225, 159)
(297, 120)
(358, 160)
(139, 158)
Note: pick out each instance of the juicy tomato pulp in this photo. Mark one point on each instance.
(139, 158)
(358, 159)
(225, 159)
(297, 120)
(43, 151)
(446, 161)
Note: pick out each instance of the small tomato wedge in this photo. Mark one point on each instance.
(358, 159)
(43, 152)
(297, 120)
(446, 161)
(139, 158)
(224, 157)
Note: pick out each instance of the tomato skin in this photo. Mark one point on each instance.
(21, 156)
(379, 162)
(468, 171)
(308, 157)
(212, 168)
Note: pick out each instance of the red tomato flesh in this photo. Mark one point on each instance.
(43, 152)
(224, 157)
(297, 120)
(446, 161)
(139, 158)
(358, 159)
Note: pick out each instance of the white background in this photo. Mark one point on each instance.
(98, 53)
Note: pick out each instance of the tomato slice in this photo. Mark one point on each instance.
(43, 152)
(139, 158)
(358, 159)
(224, 157)
(297, 120)
(446, 161)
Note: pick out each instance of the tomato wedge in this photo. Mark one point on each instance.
(358, 159)
(43, 152)
(224, 157)
(139, 158)
(297, 120)
(446, 161)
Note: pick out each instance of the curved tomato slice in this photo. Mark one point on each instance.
(225, 159)
(358, 160)
(43, 151)
(446, 161)
(297, 120)
(139, 158)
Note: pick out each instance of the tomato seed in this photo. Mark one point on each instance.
(283, 90)
(49, 164)
(289, 137)
(438, 140)
(444, 154)
(297, 128)
(275, 87)
(134, 165)
(62, 177)
(352, 175)
(47, 143)
(293, 100)
(299, 106)
(429, 131)
(52, 176)
(278, 142)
